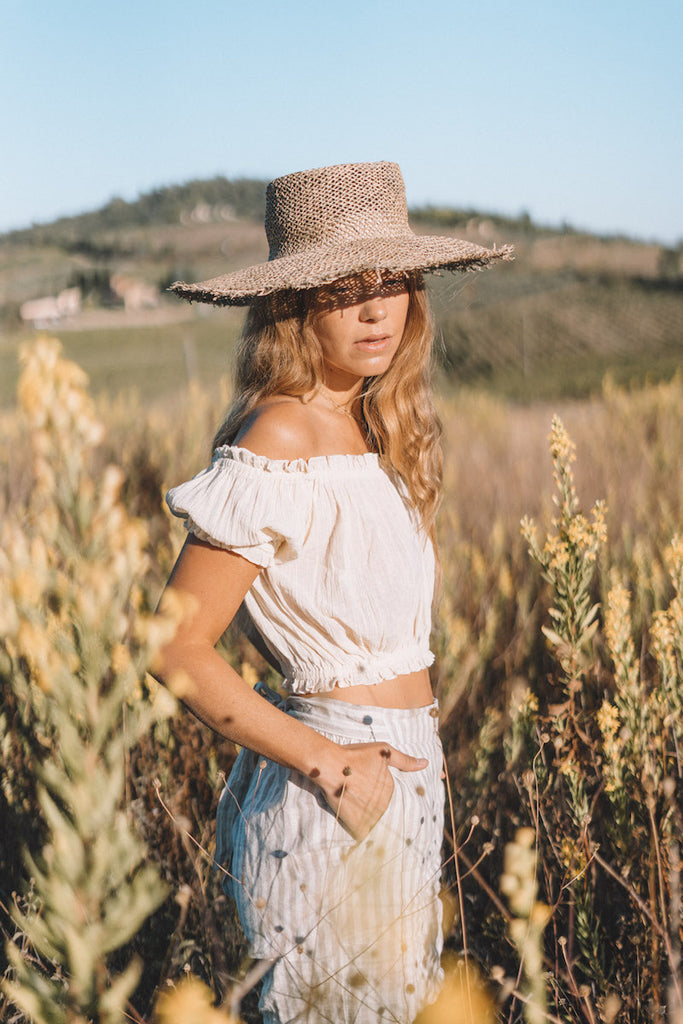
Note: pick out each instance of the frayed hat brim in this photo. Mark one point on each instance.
(318, 266)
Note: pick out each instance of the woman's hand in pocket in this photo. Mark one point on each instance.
(360, 791)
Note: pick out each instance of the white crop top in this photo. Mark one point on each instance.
(348, 574)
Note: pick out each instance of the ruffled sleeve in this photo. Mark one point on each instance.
(247, 504)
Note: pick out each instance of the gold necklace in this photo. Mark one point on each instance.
(338, 408)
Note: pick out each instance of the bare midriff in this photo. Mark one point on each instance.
(412, 690)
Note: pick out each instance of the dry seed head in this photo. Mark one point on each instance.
(522, 700)
(663, 639)
(673, 559)
(35, 645)
(578, 531)
(608, 720)
(570, 769)
(529, 531)
(61, 414)
(562, 448)
(599, 513)
(572, 856)
(519, 929)
(610, 1008)
(586, 536)
(161, 697)
(506, 584)
(518, 882)
(174, 606)
(154, 631)
(526, 838)
(179, 682)
(662, 632)
(540, 916)
(190, 1003)
(618, 620)
(556, 554)
(120, 659)
(463, 998)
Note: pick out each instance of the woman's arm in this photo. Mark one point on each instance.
(212, 583)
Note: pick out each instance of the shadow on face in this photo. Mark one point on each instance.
(339, 294)
(351, 291)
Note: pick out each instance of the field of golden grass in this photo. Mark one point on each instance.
(559, 670)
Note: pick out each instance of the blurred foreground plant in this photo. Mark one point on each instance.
(77, 635)
(191, 1003)
(530, 919)
(463, 998)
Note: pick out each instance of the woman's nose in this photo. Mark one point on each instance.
(373, 309)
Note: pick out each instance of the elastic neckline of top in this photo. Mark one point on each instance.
(316, 464)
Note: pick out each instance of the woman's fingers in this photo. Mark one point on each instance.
(391, 756)
(360, 813)
(367, 784)
(405, 762)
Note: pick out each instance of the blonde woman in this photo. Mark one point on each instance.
(314, 527)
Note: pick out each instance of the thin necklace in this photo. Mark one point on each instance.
(338, 408)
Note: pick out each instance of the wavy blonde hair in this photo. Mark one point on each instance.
(279, 354)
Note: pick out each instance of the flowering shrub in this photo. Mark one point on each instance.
(602, 785)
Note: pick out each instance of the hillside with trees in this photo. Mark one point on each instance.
(570, 309)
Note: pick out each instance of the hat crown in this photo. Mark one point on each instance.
(332, 223)
(332, 205)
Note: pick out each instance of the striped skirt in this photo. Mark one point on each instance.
(353, 929)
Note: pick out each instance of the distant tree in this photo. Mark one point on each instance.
(95, 285)
(669, 264)
(245, 196)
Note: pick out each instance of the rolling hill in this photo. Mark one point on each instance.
(571, 308)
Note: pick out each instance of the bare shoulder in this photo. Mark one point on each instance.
(281, 428)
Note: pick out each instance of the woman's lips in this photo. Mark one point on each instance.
(374, 343)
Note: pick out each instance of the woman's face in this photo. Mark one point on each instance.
(359, 322)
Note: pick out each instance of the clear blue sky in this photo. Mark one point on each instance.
(568, 109)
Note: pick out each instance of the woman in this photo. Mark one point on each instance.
(314, 525)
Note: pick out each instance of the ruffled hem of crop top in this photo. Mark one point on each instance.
(345, 594)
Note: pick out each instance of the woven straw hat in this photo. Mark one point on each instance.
(335, 222)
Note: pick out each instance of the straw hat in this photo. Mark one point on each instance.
(334, 222)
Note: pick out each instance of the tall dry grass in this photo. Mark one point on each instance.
(559, 676)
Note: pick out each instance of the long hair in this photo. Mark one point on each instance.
(279, 354)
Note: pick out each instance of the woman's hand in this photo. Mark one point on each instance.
(360, 792)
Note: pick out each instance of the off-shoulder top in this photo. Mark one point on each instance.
(345, 594)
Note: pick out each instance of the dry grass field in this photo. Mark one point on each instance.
(559, 675)
(558, 629)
